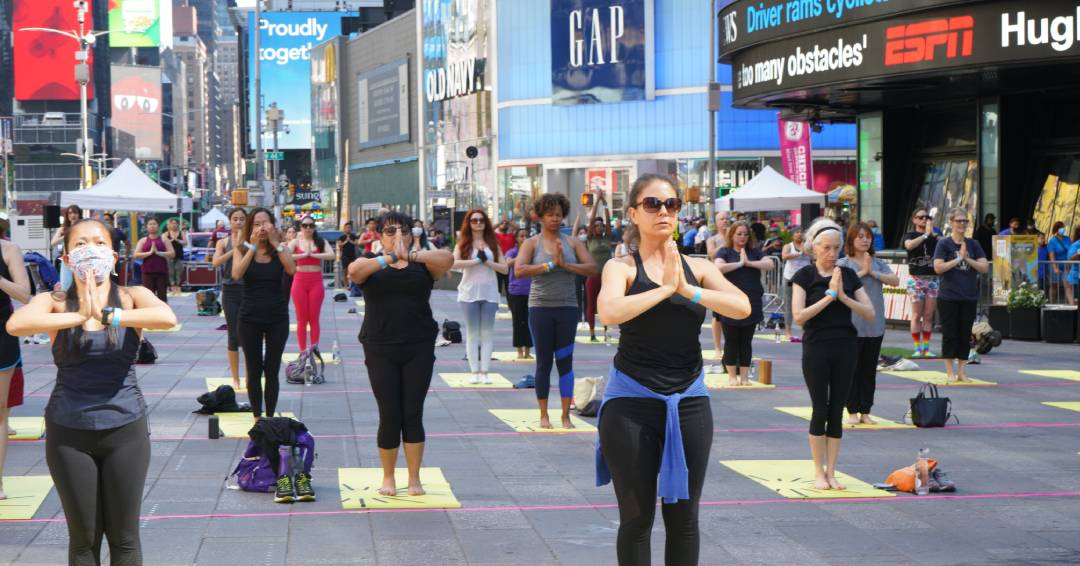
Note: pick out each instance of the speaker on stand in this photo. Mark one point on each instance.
(51, 216)
(810, 212)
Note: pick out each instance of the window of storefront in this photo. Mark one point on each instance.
(518, 187)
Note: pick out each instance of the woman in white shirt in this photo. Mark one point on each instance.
(478, 258)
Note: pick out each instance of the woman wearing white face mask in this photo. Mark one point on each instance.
(96, 444)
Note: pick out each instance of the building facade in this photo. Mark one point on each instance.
(191, 50)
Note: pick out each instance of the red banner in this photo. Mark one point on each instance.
(45, 61)
(795, 152)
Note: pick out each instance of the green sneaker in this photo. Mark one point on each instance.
(303, 487)
(284, 493)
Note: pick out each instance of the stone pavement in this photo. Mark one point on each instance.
(530, 498)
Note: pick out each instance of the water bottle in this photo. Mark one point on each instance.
(335, 354)
(922, 472)
(777, 327)
(214, 428)
(753, 371)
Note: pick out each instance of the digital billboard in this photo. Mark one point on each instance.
(286, 40)
(601, 51)
(134, 23)
(136, 107)
(45, 61)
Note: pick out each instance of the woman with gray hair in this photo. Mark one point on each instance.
(824, 295)
(958, 260)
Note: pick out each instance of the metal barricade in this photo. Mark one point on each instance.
(1055, 283)
(773, 283)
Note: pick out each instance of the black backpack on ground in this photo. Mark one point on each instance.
(451, 330)
(220, 400)
(147, 354)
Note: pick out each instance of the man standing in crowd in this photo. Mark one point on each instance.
(1015, 228)
(346, 248)
(984, 234)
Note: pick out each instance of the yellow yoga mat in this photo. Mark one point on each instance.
(176, 328)
(511, 357)
(24, 496)
(528, 420)
(771, 337)
(27, 428)
(1070, 405)
(359, 302)
(880, 423)
(360, 490)
(291, 356)
(936, 377)
(181, 295)
(712, 355)
(720, 381)
(212, 383)
(794, 479)
(503, 316)
(237, 425)
(1070, 374)
(462, 380)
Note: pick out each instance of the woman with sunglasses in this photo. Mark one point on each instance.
(742, 263)
(398, 336)
(824, 296)
(310, 251)
(479, 258)
(958, 260)
(553, 261)
(261, 262)
(922, 284)
(655, 419)
(232, 290)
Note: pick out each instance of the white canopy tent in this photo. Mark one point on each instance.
(208, 220)
(770, 190)
(127, 188)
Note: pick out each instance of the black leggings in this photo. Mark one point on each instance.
(828, 366)
(260, 364)
(519, 312)
(99, 476)
(400, 377)
(956, 320)
(553, 330)
(158, 283)
(632, 441)
(861, 397)
(231, 297)
(738, 344)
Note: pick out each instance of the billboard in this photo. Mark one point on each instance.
(383, 96)
(601, 51)
(134, 23)
(136, 107)
(286, 40)
(45, 61)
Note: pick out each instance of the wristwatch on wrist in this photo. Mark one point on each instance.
(280, 247)
(106, 315)
(393, 257)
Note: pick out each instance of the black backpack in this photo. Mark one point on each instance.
(147, 354)
(451, 330)
(220, 400)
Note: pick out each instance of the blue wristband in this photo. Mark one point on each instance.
(832, 294)
(697, 295)
(249, 246)
(382, 262)
(114, 320)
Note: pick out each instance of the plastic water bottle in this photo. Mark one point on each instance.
(777, 327)
(335, 353)
(922, 472)
(753, 371)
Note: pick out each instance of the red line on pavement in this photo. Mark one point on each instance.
(591, 506)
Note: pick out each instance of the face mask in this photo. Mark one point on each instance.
(417, 232)
(583, 237)
(1061, 232)
(97, 258)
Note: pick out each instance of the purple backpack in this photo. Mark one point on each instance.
(254, 472)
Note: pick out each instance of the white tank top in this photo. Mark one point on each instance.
(478, 282)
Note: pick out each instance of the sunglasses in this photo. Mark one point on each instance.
(960, 220)
(392, 230)
(652, 204)
(307, 225)
(922, 217)
(476, 220)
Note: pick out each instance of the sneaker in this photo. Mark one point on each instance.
(475, 379)
(928, 354)
(284, 493)
(485, 379)
(303, 487)
(917, 353)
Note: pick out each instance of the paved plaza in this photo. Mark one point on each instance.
(529, 498)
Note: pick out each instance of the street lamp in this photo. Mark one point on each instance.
(86, 39)
(99, 158)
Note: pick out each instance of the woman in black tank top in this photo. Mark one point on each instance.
(656, 397)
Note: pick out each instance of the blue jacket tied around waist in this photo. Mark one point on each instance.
(674, 482)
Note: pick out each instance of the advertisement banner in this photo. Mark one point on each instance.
(136, 107)
(286, 40)
(383, 105)
(795, 152)
(940, 40)
(134, 23)
(45, 61)
(601, 51)
(1016, 260)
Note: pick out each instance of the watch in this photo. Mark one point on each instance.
(280, 247)
(106, 315)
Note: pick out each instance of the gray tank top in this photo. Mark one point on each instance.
(226, 268)
(554, 288)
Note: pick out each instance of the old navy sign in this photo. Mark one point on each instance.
(456, 79)
(601, 51)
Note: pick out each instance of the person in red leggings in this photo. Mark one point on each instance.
(308, 291)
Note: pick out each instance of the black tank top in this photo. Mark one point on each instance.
(660, 348)
(6, 307)
(265, 301)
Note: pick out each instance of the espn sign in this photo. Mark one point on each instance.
(918, 42)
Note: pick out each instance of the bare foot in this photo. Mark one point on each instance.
(963, 379)
(545, 422)
(745, 382)
(853, 420)
(951, 379)
(236, 385)
(821, 483)
(566, 422)
(867, 420)
(835, 484)
(389, 486)
(732, 381)
(416, 488)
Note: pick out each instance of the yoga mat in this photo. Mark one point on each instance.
(771, 337)
(794, 479)
(1070, 374)
(882, 424)
(462, 380)
(720, 381)
(359, 302)
(360, 490)
(511, 357)
(1069, 405)
(291, 356)
(27, 428)
(176, 328)
(180, 295)
(24, 496)
(503, 316)
(237, 425)
(936, 377)
(528, 420)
